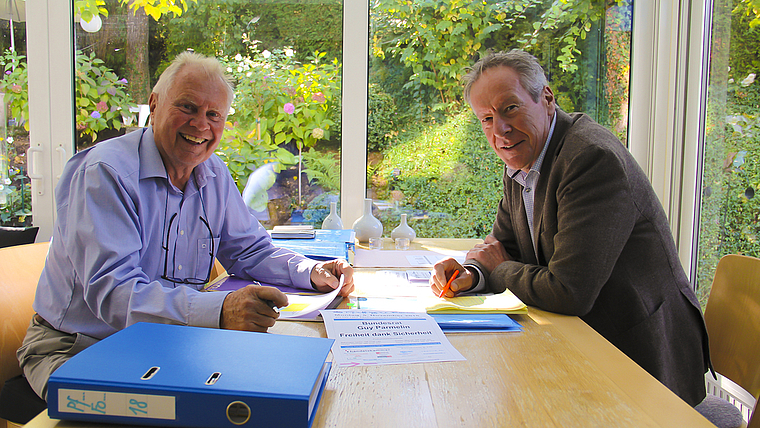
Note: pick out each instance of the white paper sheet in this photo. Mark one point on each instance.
(365, 338)
(306, 307)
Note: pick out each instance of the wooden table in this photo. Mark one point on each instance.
(557, 373)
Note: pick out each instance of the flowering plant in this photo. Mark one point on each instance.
(284, 99)
(102, 101)
(277, 100)
(14, 85)
(101, 98)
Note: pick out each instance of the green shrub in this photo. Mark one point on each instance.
(380, 119)
(448, 174)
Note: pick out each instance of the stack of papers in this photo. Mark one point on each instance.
(302, 304)
(293, 232)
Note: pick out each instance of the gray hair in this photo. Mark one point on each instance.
(209, 65)
(532, 76)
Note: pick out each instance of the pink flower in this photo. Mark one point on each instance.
(318, 97)
(101, 106)
(289, 108)
(16, 89)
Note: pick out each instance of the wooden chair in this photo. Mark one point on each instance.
(732, 316)
(21, 266)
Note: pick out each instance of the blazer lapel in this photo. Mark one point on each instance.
(555, 144)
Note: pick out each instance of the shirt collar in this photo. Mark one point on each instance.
(540, 160)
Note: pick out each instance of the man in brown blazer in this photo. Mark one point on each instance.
(579, 229)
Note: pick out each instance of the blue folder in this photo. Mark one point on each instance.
(326, 244)
(476, 323)
(169, 375)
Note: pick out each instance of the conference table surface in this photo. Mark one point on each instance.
(557, 372)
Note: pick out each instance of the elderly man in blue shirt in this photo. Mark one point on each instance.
(141, 219)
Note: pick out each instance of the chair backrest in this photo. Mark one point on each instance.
(20, 269)
(732, 316)
(10, 236)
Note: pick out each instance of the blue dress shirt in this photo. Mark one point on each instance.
(121, 225)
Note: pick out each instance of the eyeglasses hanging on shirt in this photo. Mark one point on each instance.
(165, 247)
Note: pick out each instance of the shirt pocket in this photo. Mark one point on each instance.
(205, 252)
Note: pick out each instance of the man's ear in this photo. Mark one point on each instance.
(152, 103)
(547, 96)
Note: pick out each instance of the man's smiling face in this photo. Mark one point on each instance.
(516, 126)
(188, 120)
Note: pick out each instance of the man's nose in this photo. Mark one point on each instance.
(200, 121)
(501, 127)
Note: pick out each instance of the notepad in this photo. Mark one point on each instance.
(504, 303)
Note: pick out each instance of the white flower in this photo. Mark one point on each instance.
(232, 111)
(238, 57)
(750, 79)
(266, 54)
(229, 69)
(240, 69)
(289, 52)
(9, 139)
(7, 181)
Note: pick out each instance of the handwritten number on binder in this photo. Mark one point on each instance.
(141, 405)
(79, 406)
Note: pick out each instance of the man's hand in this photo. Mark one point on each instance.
(250, 308)
(490, 254)
(443, 270)
(326, 277)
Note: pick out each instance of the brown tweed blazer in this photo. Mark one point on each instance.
(605, 254)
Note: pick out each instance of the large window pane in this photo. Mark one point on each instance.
(730, 208)
(15, 186)
(427, 156)
(282, 139)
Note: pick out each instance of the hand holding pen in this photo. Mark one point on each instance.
(252, 308)
(449, 278)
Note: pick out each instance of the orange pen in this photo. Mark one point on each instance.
(448, 284)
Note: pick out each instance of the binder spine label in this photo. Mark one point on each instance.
(79, 401)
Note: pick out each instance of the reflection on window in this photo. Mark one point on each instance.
(282, 139)
(730, 209)
(427, 156)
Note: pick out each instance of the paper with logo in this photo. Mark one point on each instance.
(364, 338)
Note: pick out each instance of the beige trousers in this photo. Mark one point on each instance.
(44, 349)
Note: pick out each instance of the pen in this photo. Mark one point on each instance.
(269, 303)
(448, 284)
(272, 305)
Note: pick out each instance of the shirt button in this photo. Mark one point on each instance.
(181, 232)
(527, 190)
(179, 267)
